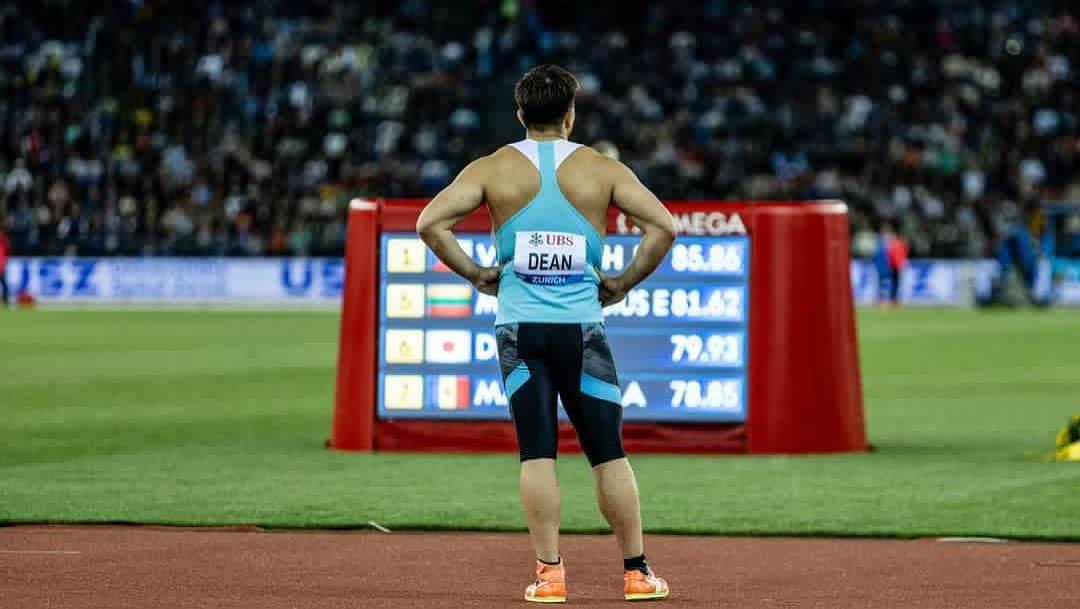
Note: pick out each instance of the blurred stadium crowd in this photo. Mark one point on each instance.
(243, 127)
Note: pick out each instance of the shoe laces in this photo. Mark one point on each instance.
(638, 574)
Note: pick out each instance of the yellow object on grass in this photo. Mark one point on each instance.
(1068, 441)
(1069, 453)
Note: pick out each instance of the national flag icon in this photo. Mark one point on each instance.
(450, 392)
(449, 300)
(439, 267)
(448, 347)
(405, 256)
(404, 347)
(403, 392)
(405, 300)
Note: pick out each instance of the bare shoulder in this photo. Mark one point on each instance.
(588, 180)
(503, 156)
(596, 164)
(500, 162)
(481, 167)
(588, 154)
(509, 163)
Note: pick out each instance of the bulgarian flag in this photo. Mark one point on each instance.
(449, 300)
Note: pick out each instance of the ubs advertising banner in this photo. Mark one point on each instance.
(258, 281)
(318, 281)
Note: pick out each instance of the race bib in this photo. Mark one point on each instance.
(549, 258)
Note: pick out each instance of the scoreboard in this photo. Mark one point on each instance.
(679, 339)
(708, 361)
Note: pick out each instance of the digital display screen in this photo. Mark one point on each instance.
(679, 339)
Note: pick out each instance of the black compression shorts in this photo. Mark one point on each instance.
(541, 362)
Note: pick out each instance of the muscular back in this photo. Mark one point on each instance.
(511, 182)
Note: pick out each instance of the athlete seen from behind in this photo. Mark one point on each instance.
(548, 198)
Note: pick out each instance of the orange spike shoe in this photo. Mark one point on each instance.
(638, 586)
(550, 584)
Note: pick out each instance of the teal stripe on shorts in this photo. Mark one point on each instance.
(601, 390)
(517, 377)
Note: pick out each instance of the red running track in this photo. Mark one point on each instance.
(157, 568)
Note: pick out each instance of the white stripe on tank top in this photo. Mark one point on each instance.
(528, 147)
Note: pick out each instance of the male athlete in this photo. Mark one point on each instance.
(549, 199)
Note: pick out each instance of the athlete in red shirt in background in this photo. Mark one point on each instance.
(5, 247)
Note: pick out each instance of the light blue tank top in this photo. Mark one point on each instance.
(559, 294)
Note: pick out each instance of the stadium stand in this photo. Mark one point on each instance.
(243, 127)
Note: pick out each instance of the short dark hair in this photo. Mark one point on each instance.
(545, 94)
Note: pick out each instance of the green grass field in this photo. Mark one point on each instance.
(220, 417)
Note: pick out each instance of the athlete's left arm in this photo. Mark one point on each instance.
(437, 220)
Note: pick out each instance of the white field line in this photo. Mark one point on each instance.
(46, 552)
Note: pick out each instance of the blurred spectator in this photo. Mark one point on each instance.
(891, 258)
(18, 180)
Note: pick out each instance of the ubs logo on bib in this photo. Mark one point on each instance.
(552, 239)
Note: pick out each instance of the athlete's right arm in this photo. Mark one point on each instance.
(442, 213)
(657, 226)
